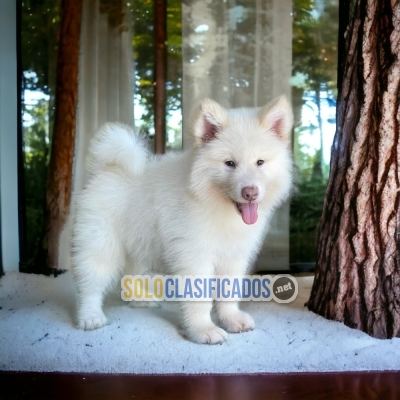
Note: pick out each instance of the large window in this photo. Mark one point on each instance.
(220, 43)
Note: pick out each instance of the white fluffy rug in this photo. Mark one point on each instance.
(37, 333)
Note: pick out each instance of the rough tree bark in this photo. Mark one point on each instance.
(59, 178)
(357, 278)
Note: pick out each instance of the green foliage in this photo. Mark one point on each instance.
(143, 53)
(305, 212)
(315, 25)
(174, 55)
(39, 37)
(315, 41)
(306, 207)
(35, 170)
(143, 49)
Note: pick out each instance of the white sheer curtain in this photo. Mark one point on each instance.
(106, 78)
(106, 83)
(239, 52)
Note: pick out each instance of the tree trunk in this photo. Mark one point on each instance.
(59, 178)
(357, 278)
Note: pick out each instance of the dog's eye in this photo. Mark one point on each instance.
(230, 163)
(260, 162)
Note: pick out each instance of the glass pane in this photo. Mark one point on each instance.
(104, 22)
(243, 53)
(239, 53)
(143, 46)
(39, 32)
(143, 53)
(174, 75)
(315, 33)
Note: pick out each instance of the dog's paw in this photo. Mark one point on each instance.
(211, 334)
(237, 322)
(144, 304)
(93, 322)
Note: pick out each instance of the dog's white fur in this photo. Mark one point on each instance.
(178, 215)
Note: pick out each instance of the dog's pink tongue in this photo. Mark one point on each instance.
(249, 213)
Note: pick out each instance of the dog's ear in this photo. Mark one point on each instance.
(277, 117)
(209, 118)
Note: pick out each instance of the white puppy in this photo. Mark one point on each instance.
(203, 211)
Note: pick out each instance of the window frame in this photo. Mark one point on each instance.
(10, 137)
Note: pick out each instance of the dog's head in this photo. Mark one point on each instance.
(242, 156)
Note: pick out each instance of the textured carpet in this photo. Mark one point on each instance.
(37, 333)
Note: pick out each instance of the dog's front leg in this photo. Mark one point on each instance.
(198, 324)
(196, 315)
(232, 318)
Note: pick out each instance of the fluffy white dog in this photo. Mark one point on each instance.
(203, 211)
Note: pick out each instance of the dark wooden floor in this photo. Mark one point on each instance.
(315, 386)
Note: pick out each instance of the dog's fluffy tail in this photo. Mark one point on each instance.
(117, 145)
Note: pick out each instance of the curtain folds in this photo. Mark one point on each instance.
(106, 84)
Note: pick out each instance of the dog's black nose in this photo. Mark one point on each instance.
(250, 193)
